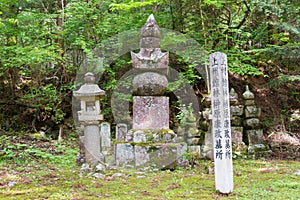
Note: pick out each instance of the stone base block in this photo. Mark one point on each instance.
(252, 112)
(236, 110)
(160, 155)
(257, 148)
(237, 138)
(154, 136)
(237, 134)
(254, 136)
(251, 123)
(236, 121)
(142, 156)
(124, 154)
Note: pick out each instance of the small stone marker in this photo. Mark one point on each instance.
(105, 137)
(221, 127)
(121, 130)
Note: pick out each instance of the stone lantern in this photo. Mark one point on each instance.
(90, 116)
(89, 95)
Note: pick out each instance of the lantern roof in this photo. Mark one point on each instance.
(89, 88)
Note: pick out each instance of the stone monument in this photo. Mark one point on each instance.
(253, 132)
(221, 126)
(150, 141)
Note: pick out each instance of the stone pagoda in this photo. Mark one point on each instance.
(150, 141)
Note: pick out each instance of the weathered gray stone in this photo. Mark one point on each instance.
(237, 138)
(163, 155)
(139, 136)
(150, 55)
(92, 144)
(129, 136)
(99, 176)
(248, 94)
(150, 83)
(124, 154)
(207, 148)
(118, 175)
(255, 136)
(141, 155)
(100, 167)
(11, 184)
(150, 112)
(233, 94)
(251, 123)
(181, 158)
(252, 112)
(121, 130)
(105, 135)
(256, 148)
(194, 150)
(89, 95)
(237, 110)
(180, 138)
(297, 173)
(193, 131)
(249, 102)
(193, 141)
(85, 167)
(236, 121)
(237, 134)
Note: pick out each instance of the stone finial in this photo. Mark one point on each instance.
(233, 93)
(89, 78)
(150, 29)
(150, 55)
(248, 94)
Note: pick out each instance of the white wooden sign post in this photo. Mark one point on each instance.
(221, 128)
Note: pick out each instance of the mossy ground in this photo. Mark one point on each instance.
(57, 177)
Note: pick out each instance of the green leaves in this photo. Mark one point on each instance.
(133, 5)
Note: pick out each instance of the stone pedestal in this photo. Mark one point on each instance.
(92, 144)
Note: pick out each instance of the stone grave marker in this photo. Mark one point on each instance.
(221, 127)
(121, 130)
(105, 135)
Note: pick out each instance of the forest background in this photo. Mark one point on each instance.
(44, 43)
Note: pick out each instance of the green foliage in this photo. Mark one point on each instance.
(128, 5)
(42, 45)
(21, 151)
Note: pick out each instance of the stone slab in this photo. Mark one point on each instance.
(252, 111)
(105, 135)
(124, 154)
(121, 130)
(255, 136)
(142, 156)
(150, 112)
(237, 110)
(251, 123)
